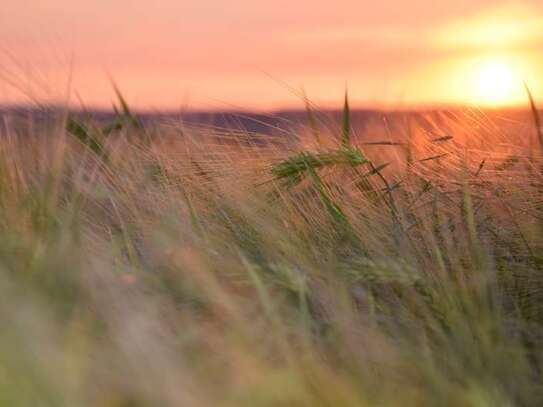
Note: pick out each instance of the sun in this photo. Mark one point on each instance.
(496, 83)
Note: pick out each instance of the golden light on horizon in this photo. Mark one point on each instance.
(496, 84)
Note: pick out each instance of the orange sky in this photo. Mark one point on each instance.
(258, 54)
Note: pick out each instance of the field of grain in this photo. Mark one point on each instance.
(169, 264)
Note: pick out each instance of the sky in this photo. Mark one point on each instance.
(262, 55)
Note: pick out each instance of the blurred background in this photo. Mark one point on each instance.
(242, 54)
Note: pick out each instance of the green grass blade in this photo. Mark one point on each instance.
(127, 114)
(293, 168)
(346, 121)
(85, 136)
(333, 209)
(535, 115)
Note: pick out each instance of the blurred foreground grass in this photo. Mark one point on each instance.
(172, 266)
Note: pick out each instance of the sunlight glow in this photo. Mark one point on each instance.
(496, 84)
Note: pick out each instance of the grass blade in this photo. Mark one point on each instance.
(293, 168)
(441, 139)
(85, 136)
(535, 115)
(382, 143)
(126, 115)
(434, 157)
(346, 121)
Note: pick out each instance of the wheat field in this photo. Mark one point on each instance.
(168, 264)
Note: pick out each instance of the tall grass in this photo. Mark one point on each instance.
(145, 266)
